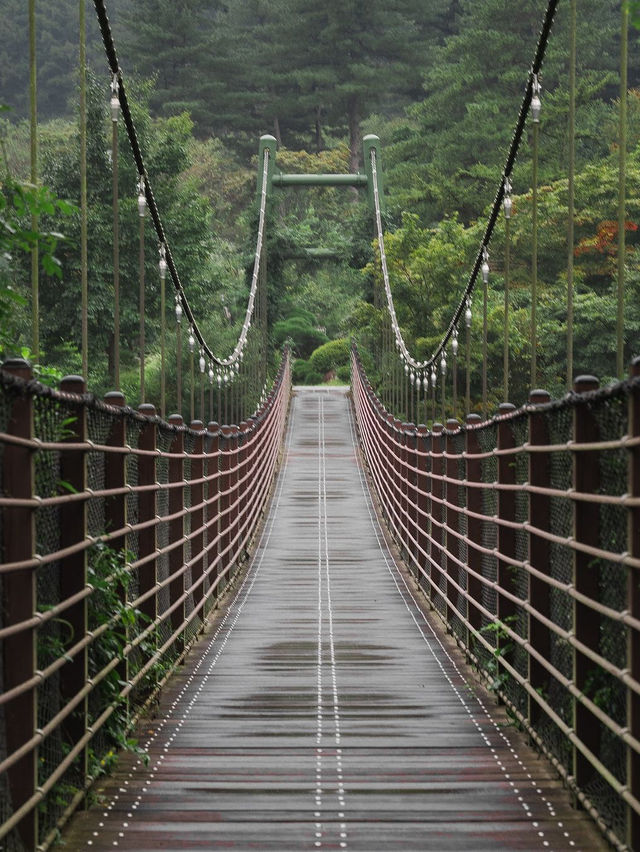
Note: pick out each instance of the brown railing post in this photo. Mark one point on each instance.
(245, 430)
(437, 562)
(197, 511)
(412, 496)
(19, 600)
(506, 540)
(403, 436)
(115, 507)
(422, 537)
(233, 499)
(225, 501)
(213, 501)
(474, 527)
(397, 450)
(73, 569)
(450, 539)
(390, 477)
(114, 471)
(176, 526)
(633, 699)
(147, 538)
(539, 550)
(586, 524)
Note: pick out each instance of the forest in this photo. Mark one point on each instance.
(439, 81)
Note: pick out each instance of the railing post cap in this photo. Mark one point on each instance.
(635, 366)
(226, 430)
(506, 407)
(196, 426)
(584, 384)
(147, 409)
(19, 367)
(175, 420)
(453, 424)
(538, 396)
(473, 418)
(115, 398)
(213, 427)
(437, 427)
(423, 430)
(73, 384)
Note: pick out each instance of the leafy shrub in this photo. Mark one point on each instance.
(344, 374)
(301, 331)
(313, 378)
(300, 370)
(330, 356)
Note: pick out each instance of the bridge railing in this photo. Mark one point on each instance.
(524, 534)
(118, 533)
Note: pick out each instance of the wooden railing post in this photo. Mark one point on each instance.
(633, 699)
(474, 527)
(586, 524)
(73, 569)
(176, 526)
(450, 540)
(404, 438)
(390, 474)
(233, 499)
(225, 501)
(244, 495)
(398, 450)
(197, 511)
(19, 600)
(422, 537)
(539, 550)
(115, 509)
(213, 503)
(506, 539)
(437, 563)
(147, 538)
(197, 514)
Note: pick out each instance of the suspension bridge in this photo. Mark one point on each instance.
(306, 620)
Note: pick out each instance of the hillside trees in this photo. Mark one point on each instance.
(448, 155)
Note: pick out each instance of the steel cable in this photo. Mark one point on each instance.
(493, 217)
(112, 57)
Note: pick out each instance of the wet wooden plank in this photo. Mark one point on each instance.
(323, 711)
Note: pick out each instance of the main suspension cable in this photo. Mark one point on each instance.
(166, 254)
(481, 259)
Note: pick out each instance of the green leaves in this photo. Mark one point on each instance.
(633, 7)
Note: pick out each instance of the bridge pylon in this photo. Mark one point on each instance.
(278, 180)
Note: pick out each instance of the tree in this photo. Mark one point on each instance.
(167, 41)
(449, 154)
(19, 202)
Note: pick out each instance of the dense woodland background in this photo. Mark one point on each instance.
(440, 81)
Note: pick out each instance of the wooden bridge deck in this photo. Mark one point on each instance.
(325, 711)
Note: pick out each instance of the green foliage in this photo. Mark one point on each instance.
(22, 207)
(297, 329)
(330, 356)
(634, 12)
